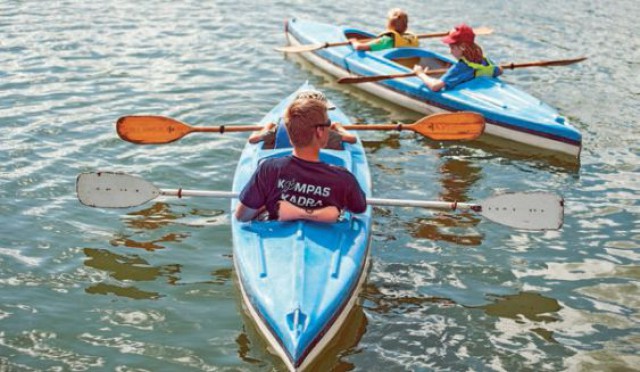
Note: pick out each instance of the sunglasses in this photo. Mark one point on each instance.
(327, 124)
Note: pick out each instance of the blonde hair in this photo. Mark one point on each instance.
(398, 20)
(301, 118)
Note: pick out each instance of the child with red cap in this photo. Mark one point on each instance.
(471, 61)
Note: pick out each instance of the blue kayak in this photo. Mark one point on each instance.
(299, 280)
(509, 112)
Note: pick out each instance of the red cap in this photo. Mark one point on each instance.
(461, 34)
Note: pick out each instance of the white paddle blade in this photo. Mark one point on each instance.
(113, 190)
(529, 211)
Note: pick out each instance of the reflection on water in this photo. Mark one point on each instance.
(127, 268)
(244, 349)
(154, 217)
(539, 158)
(532, 306)
(381, 303)
(129, 292)
(344, 344)
(457, 177)
(222, 276)
(392, 141)
(122, 240)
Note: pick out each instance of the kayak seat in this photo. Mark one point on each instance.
(282, 137)
(282, 140)
(409, 57)
(357, 34)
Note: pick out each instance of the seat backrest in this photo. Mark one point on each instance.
(282, 137)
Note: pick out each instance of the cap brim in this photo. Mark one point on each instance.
(448, 40)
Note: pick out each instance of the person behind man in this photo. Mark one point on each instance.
(396, 35)
(471, 61)
(300, 186)
(337, 133)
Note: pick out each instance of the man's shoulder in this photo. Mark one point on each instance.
(340, 170)
(274, 163)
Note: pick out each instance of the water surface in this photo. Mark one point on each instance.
(153, 288)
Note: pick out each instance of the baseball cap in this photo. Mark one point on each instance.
(315, 94)
(460, 34)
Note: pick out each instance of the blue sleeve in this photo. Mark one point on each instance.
(254, 194)
(457, 74)
(496, 71)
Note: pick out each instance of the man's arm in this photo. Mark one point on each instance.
(246, 214)
(346, 137)
(290, 212)
(259, 136)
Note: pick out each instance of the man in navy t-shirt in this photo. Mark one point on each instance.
(300, 186)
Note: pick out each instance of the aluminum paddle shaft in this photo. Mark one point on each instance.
(525, 210)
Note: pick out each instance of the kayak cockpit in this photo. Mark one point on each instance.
(417, 56)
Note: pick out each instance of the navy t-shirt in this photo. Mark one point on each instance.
(308, 185)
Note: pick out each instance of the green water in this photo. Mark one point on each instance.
(152, 288)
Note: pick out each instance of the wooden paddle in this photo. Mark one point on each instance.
(506, 66)
(312, 47)
(528, 210)
(159, 129)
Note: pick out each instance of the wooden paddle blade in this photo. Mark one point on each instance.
(483, 31)
(113, 190)
(151, 129)
(451, 126)
(529, 211)
(300, 48)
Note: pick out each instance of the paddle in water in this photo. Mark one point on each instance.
(506, 66)
(160, 129)
(524, 210)
(312, 47)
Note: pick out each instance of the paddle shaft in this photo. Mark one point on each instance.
(312, 47)
(253, 128)
(227, 128)
(379, 127)
(505, 66)
(371, 201)
(419, 36)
